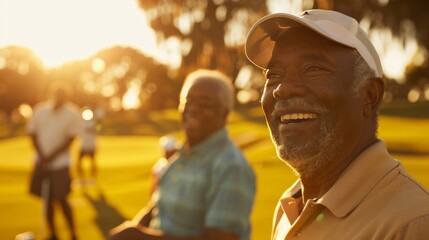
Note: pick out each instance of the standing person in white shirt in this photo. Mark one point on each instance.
(52, 128)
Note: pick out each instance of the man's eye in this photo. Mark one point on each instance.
(315, 68)
(273, 76)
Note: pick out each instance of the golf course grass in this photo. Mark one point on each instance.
(125, 160)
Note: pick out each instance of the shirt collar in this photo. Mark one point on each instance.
(217, 137)
(356, 181)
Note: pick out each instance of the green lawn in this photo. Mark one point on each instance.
(125, 161)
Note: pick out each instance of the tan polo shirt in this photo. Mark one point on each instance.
(375, 198)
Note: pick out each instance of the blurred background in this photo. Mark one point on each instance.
(133, 55)
(128, 59)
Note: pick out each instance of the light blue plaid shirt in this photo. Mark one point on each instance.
(209, 186)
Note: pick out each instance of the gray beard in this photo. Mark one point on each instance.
(309, 159)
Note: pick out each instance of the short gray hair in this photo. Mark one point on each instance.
(362, 72)
(226, 93)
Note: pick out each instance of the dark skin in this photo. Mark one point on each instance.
(201, 111)
(202, 115)
(307, 66)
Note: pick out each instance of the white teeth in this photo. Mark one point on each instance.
(298, 116)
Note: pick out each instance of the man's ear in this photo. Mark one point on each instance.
(373, 93)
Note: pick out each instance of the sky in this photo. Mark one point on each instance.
(62, 30)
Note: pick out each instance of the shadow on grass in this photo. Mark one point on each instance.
(107, 216)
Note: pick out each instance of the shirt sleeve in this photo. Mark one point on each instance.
(76, 125)
(415, 229)
(230, 198)
(31, 124)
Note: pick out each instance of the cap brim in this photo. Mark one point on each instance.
(264, 33)
(333, 26)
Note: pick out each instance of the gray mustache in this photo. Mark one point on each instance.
(301, 103)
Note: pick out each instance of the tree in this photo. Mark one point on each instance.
(111, 73)
(397, 15)
(406, 19)
(206, 29)
(21, 78)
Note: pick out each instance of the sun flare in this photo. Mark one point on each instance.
(61, 30)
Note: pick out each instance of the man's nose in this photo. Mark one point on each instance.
(292, 85)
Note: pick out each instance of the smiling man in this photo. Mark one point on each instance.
(207, 190)
(323, 89)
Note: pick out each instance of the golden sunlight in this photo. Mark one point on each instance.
(87, 114)
(61, 30)
(98, 65)
(131, 99)
(395, 53)
(25, 110)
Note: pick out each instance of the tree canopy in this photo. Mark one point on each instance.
(211, 32)
(206, 27)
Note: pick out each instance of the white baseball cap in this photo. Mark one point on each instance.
(330, 24)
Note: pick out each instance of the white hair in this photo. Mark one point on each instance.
(362, 73)
(226, 93)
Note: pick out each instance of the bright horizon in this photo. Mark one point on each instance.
(59, 30)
